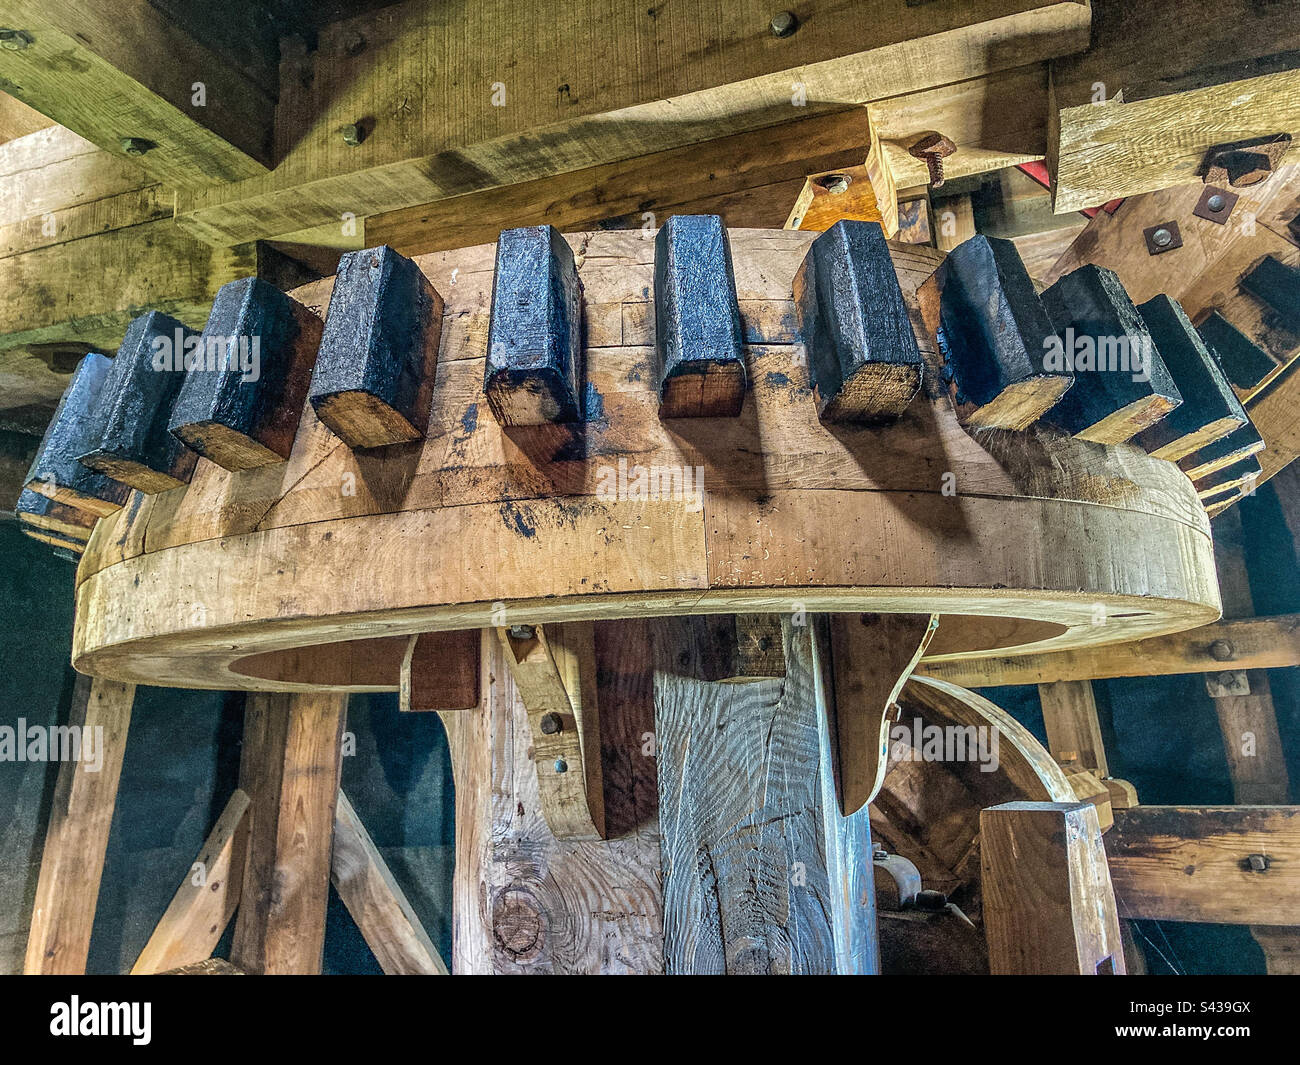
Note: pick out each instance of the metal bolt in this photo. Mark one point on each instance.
(1222, 651)
(836, 184)
(15, 40)
(1161, 238)
(1216, 203)
(352, 134)
(933, 148)
(551, 724)
(1259, 863)
(784, 24)
(561, 766)
(137, 145)
(1227, 679)
(522, 632)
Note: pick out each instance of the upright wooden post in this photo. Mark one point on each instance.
(1049, 908)
(77, 836)
(290, 769)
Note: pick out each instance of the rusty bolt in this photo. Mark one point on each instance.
(15, 40)
(551, 724)
(784, 24)
(1222, 651)
(522, 632)
(137, 145)
(933, 148)
(1258, 863)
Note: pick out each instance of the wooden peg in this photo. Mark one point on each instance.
(441, 671)
(242, 396)
(373, 382)
(534, 357)
(699, 344)
(862, 353)
(994, 335)
(134, 446)
(555, 674)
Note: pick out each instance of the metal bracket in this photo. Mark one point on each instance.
(1162, 237)
(1215, 204)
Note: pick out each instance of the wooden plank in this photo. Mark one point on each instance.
(863, 359)
(133, 54)
(199, 912)
(376, 901)
(724, 73)
(1048, 903)
(76, 837)
(1227, 450)
(40, 512)
(289, 766)
(373, 379)
(1073, 728)
(1192, 863)
(700, 357)
(441, 671)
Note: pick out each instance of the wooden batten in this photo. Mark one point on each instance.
(1239, 444)
(134, 446)
(242, 412)
(994, 336)
(1277, 285)
(533, 371)
(698, 339)
(373, 381)
(1245, 364)
(1224, 480)
(72, 431)
(1210, 410)
(862, 353)
(1107, 405)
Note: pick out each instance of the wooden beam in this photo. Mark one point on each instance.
(289, 767)
(17, 119)
(1193, 863)
(441, 671)
(132, 54)
(1073, 728)
(1048, 903)
(202, 907)
(76, 837)
(491, 126)
(376, 902)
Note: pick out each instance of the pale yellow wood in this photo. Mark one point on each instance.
(1073, 728)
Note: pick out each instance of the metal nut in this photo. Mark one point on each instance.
(1258, 863)
(835, 184)
(784, 24)
(522, 632)
(551, 724)
(1222, 651)
(353, 134)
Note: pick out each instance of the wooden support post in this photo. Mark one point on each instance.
(76, 838)
(290, 768)
(442, 671)
(376, 902)
(533, 373)
(1112, 398)
(1073, 728)
(862, 354)
(555, 672)
(1210, 410)
(72, 431)
(241, 408)
(198, 914)
(994, 335)
(1048, 903)
(699, 343)
(373, 381)
(871, 657)
(133, 444)
(761, 874)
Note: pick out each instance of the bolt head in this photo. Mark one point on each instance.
(784, 24)
(1221, 651)
(1161, 238)
(15, 40)
(551, 724)
(836, 184)
(522, 632)
(352, 134)
(1259, 863)
(561, 766)
(1216, 203)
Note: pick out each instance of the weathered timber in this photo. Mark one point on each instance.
(1242, 360)
(994, 336)
(533, 372)
(1237, 445)
(699, 344)
(35, 511)
(862, 353)
(1049, 908)
(1277, 284)
(373, 381)
(56, 473)
(134, 446)
(1121, 385)
(1192, 863)
(241, 407)
(1245, 471)
(1073, 728)
(1210, 409)
(442, 671)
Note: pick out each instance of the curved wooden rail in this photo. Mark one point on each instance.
(310, 573)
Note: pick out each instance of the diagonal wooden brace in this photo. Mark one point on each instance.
(555, 673)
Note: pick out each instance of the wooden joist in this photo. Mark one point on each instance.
(72, 432)
(994, 335)
(373, 380)
(1120, 385)
(133, 445)
(240, 406)
(1210, 864)
(533, 371)
(862, 354)
(699, 343)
